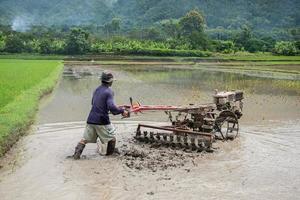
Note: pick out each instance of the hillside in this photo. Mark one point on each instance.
(56, 12)
(226, 13)
(230, 14)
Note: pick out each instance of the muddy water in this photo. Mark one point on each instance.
(266, 98)
(263, 163)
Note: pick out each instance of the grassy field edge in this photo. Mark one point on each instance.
(18, 115)
(238, 56)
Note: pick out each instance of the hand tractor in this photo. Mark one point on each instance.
(194, 126)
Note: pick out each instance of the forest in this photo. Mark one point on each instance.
(161, 28)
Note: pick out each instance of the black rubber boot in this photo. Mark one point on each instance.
(110, 147)
(78, 151)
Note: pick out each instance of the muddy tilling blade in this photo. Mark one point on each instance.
(195, 126)
(194, 143)
(175, 138)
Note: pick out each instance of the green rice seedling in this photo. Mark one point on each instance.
(22, 84)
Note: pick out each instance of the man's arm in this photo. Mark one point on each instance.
(92, 102)
(112, 107)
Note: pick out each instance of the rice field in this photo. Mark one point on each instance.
(25, 78)
(22, 83)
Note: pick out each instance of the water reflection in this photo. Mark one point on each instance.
(210, 80)
(266, 99)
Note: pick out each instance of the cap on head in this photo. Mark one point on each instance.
(107, 77)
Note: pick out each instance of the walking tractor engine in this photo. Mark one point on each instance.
(229, 101)
(194, 127)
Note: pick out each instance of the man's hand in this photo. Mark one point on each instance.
(125, 114)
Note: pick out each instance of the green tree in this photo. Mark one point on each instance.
(58, 46)
(32, 46)
(192, 22)
(77, 42)
(45, 46)
(170, 28)
(255, 45)
(113, 27)
(285, 48)
(152, 34)
(297, 44)
(295, 33)
(199, 40)
(2, 41)
(192, 30)
(14, 44)
(242, 39)
(269, 43)
(224, 46)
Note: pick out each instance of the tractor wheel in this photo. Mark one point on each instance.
(226, 125)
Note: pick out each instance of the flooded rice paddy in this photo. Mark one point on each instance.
(263, 163)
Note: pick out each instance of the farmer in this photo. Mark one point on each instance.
(98, 123)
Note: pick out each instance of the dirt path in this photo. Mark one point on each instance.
(255, 166)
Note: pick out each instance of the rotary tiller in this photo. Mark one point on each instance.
(194, 126)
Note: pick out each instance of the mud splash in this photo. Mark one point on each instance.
(154, 158)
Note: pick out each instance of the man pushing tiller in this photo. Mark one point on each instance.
(98, 123)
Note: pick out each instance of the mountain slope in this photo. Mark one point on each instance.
(261, 14)
(226, 13)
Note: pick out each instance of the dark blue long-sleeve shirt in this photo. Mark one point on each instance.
(102, 103)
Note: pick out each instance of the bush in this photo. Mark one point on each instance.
(2, 41)
(255, 45)
(77, 42)
(14, 44)
(118, 44)
(198, 40)
(143, 47)
(45, 47)
(58, 46)
(224, 46)
(32, 46)
(180, 44)
(51, 46)
(165, 52)
(297, 44)
(285, 48)
(269, 43)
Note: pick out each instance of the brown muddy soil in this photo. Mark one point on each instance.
(156, 157)
(263, 163)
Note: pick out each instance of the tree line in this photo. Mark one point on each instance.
(186, 36)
